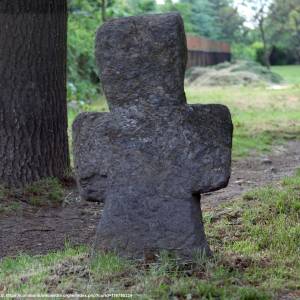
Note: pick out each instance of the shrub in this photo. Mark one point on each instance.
(83, 81)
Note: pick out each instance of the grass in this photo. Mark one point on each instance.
(256, 244)
(45, 192)
(261, 116)
(291, 74)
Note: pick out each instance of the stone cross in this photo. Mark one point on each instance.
(152, 155)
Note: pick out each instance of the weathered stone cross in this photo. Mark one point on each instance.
(152, 155)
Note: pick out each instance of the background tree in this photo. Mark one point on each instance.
(103, 10)
(33, 116)
(261, 9)
(284, 23)
(183, 8)
(214, 19)
(228, 20)
(202, 18)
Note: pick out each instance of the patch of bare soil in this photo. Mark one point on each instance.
(256, 171)
(39, 230)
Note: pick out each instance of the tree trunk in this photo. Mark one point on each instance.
(267, 53)
(33, 110)
(103, 10)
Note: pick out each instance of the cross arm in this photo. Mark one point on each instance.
(91, 145)
(213, 133)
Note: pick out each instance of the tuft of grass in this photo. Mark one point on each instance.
(45, 192)
(106, 266)
(7, 205)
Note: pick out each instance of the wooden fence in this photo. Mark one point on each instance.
(205, 52)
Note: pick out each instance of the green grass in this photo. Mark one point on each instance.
(256, 244)
(45, 192)
(261, 116)
(291, 74)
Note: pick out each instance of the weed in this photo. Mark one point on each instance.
(48, 191)
(45, 191)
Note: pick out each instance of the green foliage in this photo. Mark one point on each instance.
(282, 56)
(202, 18)
(216, 19)
(83, 82)
(284, 24)
(137, 7)
(84, 20)
(183, 8)
(228, 20)
(252, 52)
(260, 56)
(213, 19)
(278, 23)
(243, 51)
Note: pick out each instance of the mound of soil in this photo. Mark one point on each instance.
(237, 73)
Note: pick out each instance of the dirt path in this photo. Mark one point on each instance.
(38, 231)
(257, 171)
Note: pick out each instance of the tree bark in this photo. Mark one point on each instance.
(103, 10)
(267, 53)
(33, 109)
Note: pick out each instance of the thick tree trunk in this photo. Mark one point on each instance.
(33, 112)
